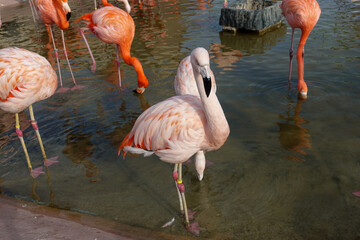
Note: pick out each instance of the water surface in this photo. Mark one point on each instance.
(287, 170)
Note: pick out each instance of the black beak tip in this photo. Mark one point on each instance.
(68, 15)
(207, 85)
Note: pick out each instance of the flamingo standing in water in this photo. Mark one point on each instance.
(115, 26)
(185, 83)
(179, 127)
(56, 12)
(25, 78)
(302, 14)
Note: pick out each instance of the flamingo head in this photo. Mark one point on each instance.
(200, 62)
(66, 8)
(302, 94)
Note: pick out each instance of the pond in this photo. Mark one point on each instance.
(287, 170)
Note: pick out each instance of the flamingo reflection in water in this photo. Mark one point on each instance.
(293, 136)
(179, 127)
(25, 78)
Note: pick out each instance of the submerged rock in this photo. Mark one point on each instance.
(251, 15)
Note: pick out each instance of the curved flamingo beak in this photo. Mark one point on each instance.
(205, 74)
(140, 90)
(303, 94)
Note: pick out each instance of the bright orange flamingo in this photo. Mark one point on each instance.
(25, 78)
(302, 14)
(56, 12)
(115, 26)
(181, 126)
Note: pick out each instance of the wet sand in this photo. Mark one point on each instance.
(28, 221)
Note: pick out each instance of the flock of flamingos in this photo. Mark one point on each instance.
(175, 129)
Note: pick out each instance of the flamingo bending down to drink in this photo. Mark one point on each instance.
(179, 127)
(115, 26)
(56, 12)
(185, 83)
(302, 14)
(25, 78)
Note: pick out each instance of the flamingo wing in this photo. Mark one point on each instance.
(174, 129)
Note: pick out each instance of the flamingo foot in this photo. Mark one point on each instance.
(62, 90)
(194, 228)
(36, 172)
(357, 194)
(77, 87)
(50, 161)
(190, 214)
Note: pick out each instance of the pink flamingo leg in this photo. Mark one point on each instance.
(93, 68)
(33, 11)
(118, 64)
(62, 89)
(291, 54)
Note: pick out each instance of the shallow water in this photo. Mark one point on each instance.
(287, 170)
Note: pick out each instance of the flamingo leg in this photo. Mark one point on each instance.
(33, 172)
(118, 63)
(93, 68)
(291, 53)
(56, 54)
(47, 162)
(66, 56)
(33, 11)
(176, 177)
(95, 4)
(181, 189)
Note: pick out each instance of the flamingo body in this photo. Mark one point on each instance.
(302, 14)
(115, 26)
(181, 126)
(25, 78)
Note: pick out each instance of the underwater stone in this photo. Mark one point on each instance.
(251, 15)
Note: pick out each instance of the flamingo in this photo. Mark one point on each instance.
(25, 78)
(113, 25)
(181, 126)
(185, 83)
(302, 14)
(56, 12)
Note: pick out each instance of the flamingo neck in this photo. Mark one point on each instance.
(218, 127)
(105, 3)
(300, 59)
(133, 61)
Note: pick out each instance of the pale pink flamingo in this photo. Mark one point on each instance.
(181, 126)
(185, 83)
(56, 12)
(302, 14)
(25, 78)
(115, 26)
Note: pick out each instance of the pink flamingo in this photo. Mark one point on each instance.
(185, 83)
(115, 26)
(25, 78)
(56, 12)
(302, 14)
(179, 127)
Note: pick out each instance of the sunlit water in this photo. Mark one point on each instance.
(287, 170)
